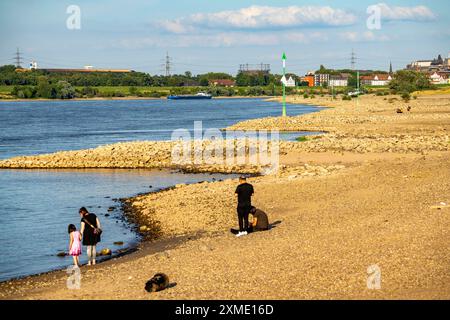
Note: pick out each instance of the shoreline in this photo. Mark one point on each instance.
(143, 238)
(127, 98)
(373, 131)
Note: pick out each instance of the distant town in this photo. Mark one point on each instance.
(32, 81)
(438, 71)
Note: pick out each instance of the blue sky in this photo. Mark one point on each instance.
(203, 36)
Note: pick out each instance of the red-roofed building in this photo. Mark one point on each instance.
(439, 77)
(376, 80)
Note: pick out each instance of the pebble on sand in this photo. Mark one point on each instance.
(105, 252)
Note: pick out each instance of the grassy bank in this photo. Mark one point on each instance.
(29, 92)
(87, 92)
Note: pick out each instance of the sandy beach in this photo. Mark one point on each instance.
(373, 190)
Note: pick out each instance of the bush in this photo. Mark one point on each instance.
(133, 91)
(64, 90)
(20, 94)
(88, 92)
(155, 94)
(406, 96)
(301, 139)
(391, 100)
(118, 94)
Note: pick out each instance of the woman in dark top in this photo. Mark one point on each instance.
(89, 222)
(260, 221)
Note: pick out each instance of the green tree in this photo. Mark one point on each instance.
(407, 81)
(43, 89)
(242, 79)
(353, 80)
(204, 82)
(65, 90)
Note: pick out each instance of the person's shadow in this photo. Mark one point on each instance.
(271, 226)
(171, 285)
(274, 224)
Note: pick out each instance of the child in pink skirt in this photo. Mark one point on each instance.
(74, 244)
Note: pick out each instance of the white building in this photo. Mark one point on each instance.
(338, 80)
(421, 64)
(320, 79)
(381, 80)
(437, 78)
(376, 80)
(447, 62)
(288, 82)
(33, 65)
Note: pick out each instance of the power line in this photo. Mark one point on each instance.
(18, 59)
(168, 64)
(353, 59)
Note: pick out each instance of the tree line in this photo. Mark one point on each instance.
(9, 76)
(68, 85)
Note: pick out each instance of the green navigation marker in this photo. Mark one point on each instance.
(284, 85)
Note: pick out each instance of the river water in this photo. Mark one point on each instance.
(37, 205)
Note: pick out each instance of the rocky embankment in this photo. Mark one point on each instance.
(371, 124)
(189, 209)
(376, 143)
(145, 154)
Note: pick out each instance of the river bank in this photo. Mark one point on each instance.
(125, 98)
(369, 192)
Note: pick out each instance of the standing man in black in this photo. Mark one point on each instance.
(244, 192)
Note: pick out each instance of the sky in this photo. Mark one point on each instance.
(202, 36)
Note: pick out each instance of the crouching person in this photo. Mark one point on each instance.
(260, 222)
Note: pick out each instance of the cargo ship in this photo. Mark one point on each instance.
(200, 95)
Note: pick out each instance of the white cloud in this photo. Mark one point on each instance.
(262, 17)
(418, 13)
(366, 36)
(175, 26)
(223, 39)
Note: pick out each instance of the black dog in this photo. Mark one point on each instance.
(159, 282)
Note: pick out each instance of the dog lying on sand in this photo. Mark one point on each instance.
(159, 282)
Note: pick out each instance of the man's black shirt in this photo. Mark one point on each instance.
(244, 191)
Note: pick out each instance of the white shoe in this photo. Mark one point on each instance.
(239, 234)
